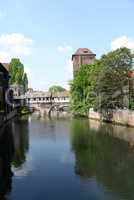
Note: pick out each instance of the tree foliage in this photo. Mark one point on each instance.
(102, 85)
(25, 82)
(56, 88)
(83, 88)
(113, 81)
(18, 76)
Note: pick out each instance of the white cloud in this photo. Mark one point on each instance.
(122, 41)
(4, 56)
(21, 50)
(63, 49)
(14, 45)
(14, 39)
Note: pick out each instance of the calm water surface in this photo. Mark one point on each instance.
(56, 159)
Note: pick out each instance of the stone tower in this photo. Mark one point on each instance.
(82, 56)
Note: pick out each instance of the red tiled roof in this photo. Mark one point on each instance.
(83, 51)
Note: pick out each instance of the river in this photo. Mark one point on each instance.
(53, 159)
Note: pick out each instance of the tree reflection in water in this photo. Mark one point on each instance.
(14, 144)
(21, 141)
(108, 159)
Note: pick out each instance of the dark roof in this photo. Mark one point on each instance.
(83, 51)
(3, 68)
(6, 65)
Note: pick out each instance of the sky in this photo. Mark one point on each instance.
(44, 34)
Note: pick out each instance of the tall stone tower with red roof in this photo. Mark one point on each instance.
(82, 56)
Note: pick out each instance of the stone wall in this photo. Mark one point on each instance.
(123, 117)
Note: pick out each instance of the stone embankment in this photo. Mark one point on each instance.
(122, 117)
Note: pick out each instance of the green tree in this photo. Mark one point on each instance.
(56, 88)
(83, 89)
(104, 84)
(25, 82)
(18, 76)
(13, 69)
(113, 82)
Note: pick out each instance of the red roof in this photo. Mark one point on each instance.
(83, 51)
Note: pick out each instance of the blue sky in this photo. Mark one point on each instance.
(44, 34)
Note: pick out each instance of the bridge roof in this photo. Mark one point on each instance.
(61, 94)
(38, 94)
(47, 94)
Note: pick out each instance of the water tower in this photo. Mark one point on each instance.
(82, 56)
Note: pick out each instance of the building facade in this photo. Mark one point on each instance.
(82, 56)
(47, 97)
(4, 84)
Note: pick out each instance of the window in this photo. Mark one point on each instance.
(85, 51)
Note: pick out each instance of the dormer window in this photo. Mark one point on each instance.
(85, 51)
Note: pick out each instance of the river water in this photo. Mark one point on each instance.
(56, 159)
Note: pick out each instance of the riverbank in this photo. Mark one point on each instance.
(120, 117)
(9, 116)
(26, 110)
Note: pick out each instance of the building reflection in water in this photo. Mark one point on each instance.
(6, 157)
(14, 144)
(103, 155)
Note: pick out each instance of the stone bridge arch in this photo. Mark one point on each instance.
(57, 107)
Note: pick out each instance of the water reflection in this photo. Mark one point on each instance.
(108, 159)
(99, 165)
(21, 140)
(14, 144)
(6, 156)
